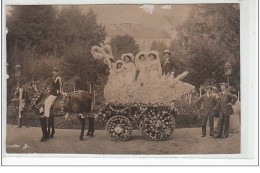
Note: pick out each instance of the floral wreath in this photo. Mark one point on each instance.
(103, 52)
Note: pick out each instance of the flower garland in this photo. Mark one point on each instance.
(134, 111)
(119, 128)
(38, 95)
(35, 99)
(157, 125)
(156, 121)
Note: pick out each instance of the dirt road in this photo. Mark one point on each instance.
(182, 141)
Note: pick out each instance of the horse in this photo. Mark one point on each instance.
(79, 102)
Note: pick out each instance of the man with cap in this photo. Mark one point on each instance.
(55, 90)
(209, 103)
(225, 105)
(168, 66)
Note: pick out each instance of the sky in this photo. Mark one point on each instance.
(161, 18)
(158, 17)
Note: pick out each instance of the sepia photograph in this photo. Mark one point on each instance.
(123, 79)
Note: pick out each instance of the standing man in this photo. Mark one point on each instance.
(225, 105)
(22, 96)
(168, 66)
(209, 103)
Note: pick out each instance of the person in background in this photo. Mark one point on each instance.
(91, 126)
(217, 111)
(21, 95)
(225, 105)
(168, 66)
(207, 110)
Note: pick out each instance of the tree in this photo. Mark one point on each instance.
(80, 33)
(80, 65)
(123, 44)
(204, 63)
(208, 39)
(73, 26)
(41, 37)
(30, 37)
(31, 26)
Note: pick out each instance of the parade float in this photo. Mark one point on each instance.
(137, 94)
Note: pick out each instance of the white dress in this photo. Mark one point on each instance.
(235, 118)
(130, 71)
(143, 68)
(155, 70)
(115, 84)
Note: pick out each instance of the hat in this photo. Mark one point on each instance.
(209, 87)
(137, 57)
(155, 53)
(130, 55)
(140, 54)
(55, 69)
(214, 89)
(119, 62)
(166, 51)
(225, 84)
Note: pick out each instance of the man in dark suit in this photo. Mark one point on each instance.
(168, 66)
(209, 103)
(225, 105)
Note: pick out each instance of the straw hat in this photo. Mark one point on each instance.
(225, 84)
(130, 55)
(166, 51)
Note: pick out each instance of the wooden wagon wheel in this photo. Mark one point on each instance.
(157, 127)
(119, 128)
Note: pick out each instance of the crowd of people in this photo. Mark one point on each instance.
(143, 78)
(216, 105)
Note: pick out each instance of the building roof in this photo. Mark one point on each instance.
(137, 33)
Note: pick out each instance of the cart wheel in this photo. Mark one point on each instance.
(157, 127)
(119, 128)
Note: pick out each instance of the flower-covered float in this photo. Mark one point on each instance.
(138, 94)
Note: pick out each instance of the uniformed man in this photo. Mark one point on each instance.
(225, 105)
(168, 66)
(55, 90)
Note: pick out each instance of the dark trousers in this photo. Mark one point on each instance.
(91, 125)
(223, 121)
(211, 124)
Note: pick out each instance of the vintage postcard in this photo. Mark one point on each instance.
(121, 79)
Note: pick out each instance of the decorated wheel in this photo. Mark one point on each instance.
(157, 126)
(119, 128)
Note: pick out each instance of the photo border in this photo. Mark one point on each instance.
(249, 103)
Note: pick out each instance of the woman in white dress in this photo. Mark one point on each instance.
(235, 118)
(129, 66)
(116, 82)
(155, 69)
(142, 67)
(139, 88)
